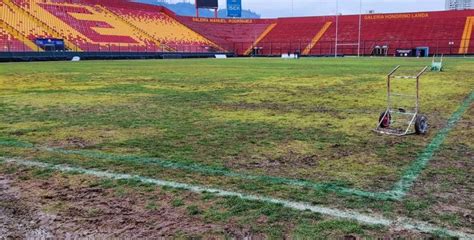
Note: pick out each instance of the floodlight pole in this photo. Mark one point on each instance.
(360, 26)
(337, 27)
(197, 9)
(292, 9)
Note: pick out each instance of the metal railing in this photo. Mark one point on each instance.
(322, 48)
(436, 46)
(18, 46)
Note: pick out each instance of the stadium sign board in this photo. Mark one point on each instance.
(234, 8)
(222, 20)
(206, 4)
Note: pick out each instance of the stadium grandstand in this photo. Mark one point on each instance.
(123, 26)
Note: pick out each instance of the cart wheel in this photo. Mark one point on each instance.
(421, 124)
(385, 119)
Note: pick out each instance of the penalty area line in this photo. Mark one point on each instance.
(404, 223)
(410, 175)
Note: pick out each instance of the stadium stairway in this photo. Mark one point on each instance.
(466, 36)
(17, 26)
(293, 35)
(235, 35)
(260, 38)
(316, 38)
(166, 29)
(43, 10)
(196, 37)
(27, 16)
(12, 40)
(98, 30)
(144, 34)
(440, 31)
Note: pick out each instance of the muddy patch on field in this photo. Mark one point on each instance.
(287, 154)
(67, 206)
(322, 162)
(280, 107)
(449, 179)
(18, 219)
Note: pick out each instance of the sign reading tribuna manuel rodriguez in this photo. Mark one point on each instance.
(234, 8)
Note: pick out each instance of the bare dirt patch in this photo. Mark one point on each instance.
(66, 206)
(37, 203)
(448, 182)
(18, 220)
(72, 142)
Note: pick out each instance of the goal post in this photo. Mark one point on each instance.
(336, 42)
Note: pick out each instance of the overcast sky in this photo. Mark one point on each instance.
(282, 8)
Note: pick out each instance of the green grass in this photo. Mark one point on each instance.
(309, 119)
(177, 203)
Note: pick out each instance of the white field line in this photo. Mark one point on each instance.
(400, 223)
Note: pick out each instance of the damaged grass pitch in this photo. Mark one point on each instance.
(60, 197)
(308, 120)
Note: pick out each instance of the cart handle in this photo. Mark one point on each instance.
(434, 55)
(422, 71)
(393, 71)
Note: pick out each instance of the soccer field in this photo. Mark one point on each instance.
(292, 130)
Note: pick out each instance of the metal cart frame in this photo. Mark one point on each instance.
(420, 121)
(437, 66)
